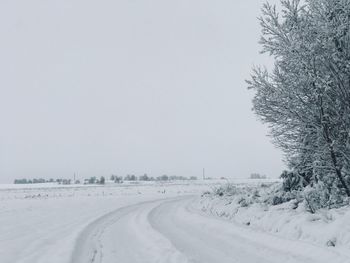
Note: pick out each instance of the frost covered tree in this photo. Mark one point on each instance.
(305, 99)
(102, 180)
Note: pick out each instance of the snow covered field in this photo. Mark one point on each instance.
(40, 223)
(152, 223)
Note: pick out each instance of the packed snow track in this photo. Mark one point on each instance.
(171, 230)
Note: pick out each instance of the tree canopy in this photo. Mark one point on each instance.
(305, 98)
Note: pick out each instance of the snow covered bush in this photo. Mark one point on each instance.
(227, 189)
(315, 198)
(247, 195)
(266, 208)
(312, 197)
(292, 181)
(321, 196)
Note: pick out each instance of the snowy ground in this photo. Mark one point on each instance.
(137, 223)
(40, 223)
(326, 229)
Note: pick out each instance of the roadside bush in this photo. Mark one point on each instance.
(315, 197)
(228, 190)
(243, 202)
(292, 181)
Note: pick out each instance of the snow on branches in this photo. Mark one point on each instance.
(305, 99)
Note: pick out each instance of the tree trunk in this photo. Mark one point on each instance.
(331, 150)
(334, 160)
(338, 171)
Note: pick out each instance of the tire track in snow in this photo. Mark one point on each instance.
(171, 231)
(125, 235)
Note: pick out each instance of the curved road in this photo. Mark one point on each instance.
(171, 230)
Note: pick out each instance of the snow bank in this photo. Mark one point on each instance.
(244, 206)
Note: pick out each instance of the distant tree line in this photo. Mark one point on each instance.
(257, 176)
(102, 180)
(95, 180)
(41, 180)
(145, 177)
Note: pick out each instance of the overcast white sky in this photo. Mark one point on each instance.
(130, 86)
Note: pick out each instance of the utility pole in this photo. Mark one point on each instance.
(203, 174)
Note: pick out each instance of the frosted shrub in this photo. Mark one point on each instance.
(280, 196)
(315, 198)
(227, 189)
(292, 181)
(323, 196)
(243, 202)
(276, 200)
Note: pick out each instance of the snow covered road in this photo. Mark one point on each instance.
(172, 230)
(125, 235)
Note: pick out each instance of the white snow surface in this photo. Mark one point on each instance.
(327, 228)
(152, 223)
(41, 223)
